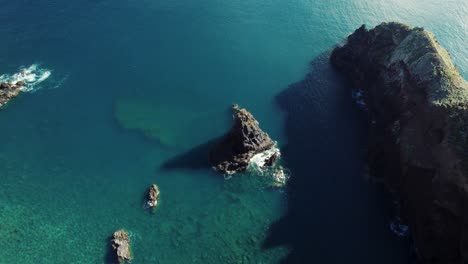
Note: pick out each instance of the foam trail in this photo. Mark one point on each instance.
(31, 76)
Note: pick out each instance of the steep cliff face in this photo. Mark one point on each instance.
(418, 146)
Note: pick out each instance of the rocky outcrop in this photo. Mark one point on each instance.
(121, 246)
(243, 144)
(153, 196)
(9, 90)
(417, 104)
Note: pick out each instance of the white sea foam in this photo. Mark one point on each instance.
(279, 176)
(31, 76)
(259, 160)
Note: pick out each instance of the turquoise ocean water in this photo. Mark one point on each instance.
(137, 90)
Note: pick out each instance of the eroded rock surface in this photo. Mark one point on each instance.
(9, 90)
(153, 196)
(243, 144)
(417, 104)
(121, 246)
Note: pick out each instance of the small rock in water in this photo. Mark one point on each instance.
(20, 83)
(153, 196)
(243, 145)
(121, 246)
(279, 177)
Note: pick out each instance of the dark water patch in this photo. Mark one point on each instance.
(334, 215)
(195, 158)
(110, 257)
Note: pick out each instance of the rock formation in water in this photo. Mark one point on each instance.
(121, 246)
(9, 90)
(417, 104)
(243, 144)
(153, 196)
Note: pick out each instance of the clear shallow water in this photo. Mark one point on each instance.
(71, 173)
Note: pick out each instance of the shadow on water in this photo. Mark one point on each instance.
(110, 257)
(195, 158)
(334, 215)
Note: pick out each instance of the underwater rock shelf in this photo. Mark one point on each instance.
(417, 105)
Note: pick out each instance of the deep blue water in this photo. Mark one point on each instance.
(136, 84)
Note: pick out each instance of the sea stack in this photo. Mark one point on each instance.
(121, 246)
(245, 143)
(418, 146)
(9, 90)
(153, 196)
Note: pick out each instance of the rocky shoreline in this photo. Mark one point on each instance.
(417, 104)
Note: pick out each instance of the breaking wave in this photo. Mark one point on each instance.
(31, 76)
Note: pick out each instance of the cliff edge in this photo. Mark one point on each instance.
(418, 143)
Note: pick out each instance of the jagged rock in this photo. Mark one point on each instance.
(5, 85)
(235, 151)
(121, 246)
(153, 196)
(20, 83)
(271, 160)
(9, 91)
(418, 146)
(279, 177)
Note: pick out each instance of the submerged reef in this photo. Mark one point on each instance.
(9, 90)
(167, 122)
(243, 145)
(417, 104)
(147, 118)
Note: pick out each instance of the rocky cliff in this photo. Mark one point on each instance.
(418, 145)
(243, 144)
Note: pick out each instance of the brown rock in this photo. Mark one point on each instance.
(245, 139)
(5, 85)
(121, 246)
(153, 195)
(8, 91)
(272, 160)
(20, 84)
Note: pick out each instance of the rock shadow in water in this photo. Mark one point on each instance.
(334, 215)
(110, 257)
(194, 159)
(197, 158)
